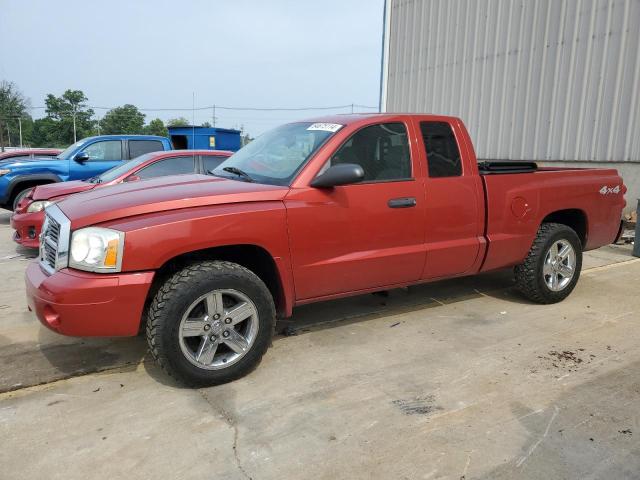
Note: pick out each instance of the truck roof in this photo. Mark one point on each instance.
(127, 136)
(354, 118)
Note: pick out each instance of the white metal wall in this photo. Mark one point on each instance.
(532, 79)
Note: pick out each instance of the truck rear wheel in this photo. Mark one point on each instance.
(552, 267)
(210, 323)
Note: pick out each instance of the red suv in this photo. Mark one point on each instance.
(29, 215)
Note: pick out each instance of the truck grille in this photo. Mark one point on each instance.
(54, 240)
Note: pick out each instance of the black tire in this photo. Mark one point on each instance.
(530, 280)
(20, 196)
(174, 298)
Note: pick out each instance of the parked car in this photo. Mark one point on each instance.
(29, 214)
(310, 211)
(29, 153)
(84, 159)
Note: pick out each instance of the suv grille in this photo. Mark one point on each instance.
(54, 240)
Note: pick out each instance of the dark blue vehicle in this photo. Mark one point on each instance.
(84, 159)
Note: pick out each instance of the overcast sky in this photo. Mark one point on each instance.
(155, 54)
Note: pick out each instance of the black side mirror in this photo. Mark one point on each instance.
(341, 174)
(81, 157)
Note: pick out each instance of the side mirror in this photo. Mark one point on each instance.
(341, 174)
(132, 178)
(81, 157)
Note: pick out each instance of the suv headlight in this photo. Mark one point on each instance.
(4, 171)
(38, 206)
(96, 249)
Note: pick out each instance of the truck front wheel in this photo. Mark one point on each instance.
(210, 323)
(552, 267)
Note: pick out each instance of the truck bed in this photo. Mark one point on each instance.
(518, 201)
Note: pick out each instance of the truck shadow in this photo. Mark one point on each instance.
(318, 316)
(53, 357)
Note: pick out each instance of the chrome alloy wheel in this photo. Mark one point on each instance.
(218, 329)
(559, 265)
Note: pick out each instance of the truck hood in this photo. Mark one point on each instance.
(12, 163)
(53, 190)
(162, 194)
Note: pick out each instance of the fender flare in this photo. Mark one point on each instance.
(18, 179)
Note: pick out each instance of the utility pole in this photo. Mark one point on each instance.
(193, 119)
(20, 126)
(213, 117)
(75, 138)
(352, 108)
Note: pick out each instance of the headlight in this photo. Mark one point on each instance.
(38, 206)
(96, 249)
(4, 171)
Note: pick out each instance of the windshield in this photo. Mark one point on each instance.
(64, 155)
(278, 155)
(123, 168)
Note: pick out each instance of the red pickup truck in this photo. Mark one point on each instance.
(309, 211)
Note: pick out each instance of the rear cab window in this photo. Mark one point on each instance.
(140, 147)
(443, 155)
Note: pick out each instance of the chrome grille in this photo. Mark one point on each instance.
(54, 240)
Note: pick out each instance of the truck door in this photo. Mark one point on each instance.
(365, 235)
(103, 155)
(454, 214)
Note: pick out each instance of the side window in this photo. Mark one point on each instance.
(443, 156)
(168, 166)
(211, 162)
(140, 147)
(381, 150)
(107, 150)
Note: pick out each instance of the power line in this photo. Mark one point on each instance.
(255, 109)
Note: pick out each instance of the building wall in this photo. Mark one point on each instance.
(545, 80)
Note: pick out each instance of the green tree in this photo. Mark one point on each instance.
(156, 127)
(178, 122)
(206, 125)
(73, 119)
(43, 133)
(126, 119)
(13, 106)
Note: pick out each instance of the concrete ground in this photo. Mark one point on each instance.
(459, 379)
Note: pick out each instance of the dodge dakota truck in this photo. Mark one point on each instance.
(85, 158)
(310, 211)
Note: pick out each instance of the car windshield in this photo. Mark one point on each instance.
(278, 155)
(123, 168)
(64, 155)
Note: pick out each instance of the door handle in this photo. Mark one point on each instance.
(406, 202)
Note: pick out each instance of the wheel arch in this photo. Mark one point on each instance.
(574, 218)
(20, 182)
(253, 257)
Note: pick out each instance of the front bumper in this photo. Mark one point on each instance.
(27, 228)
(83, 304)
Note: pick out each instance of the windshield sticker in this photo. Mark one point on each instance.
(327, 127)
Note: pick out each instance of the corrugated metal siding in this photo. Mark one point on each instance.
(532, 79)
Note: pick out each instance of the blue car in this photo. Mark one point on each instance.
(84, 159)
